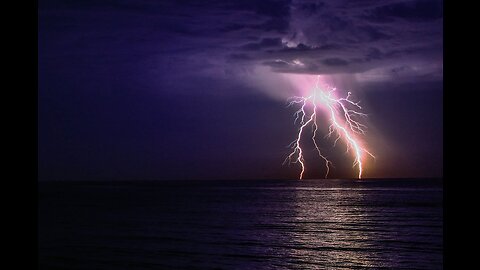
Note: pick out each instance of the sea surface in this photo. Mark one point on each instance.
(249, 224)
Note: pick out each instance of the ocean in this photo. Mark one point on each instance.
(249, 224)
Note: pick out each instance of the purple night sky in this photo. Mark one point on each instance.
(196, 89)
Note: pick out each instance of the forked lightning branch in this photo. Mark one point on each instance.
(344, 117)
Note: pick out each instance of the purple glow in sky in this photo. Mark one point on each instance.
(138, 89)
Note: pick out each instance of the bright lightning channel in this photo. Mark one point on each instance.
(342, 122)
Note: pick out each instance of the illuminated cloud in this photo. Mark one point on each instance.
(230, 37)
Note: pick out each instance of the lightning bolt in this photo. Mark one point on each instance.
(342, 122)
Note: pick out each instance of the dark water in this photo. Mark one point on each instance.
(308, 224)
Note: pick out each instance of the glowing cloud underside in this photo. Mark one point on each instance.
(343, 116)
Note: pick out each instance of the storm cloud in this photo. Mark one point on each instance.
(224, 37)
(136, 89)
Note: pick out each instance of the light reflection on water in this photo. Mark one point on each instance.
(241, 225)
(324, 227)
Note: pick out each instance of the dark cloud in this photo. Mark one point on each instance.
(363, 34)
(239, 57)
(311, 8)
(276, 64)
(373, 54)
(270, 8)
(407, 10)
(335, 62)
(371, 34)
(235, 27)
(300, 47)
(263, 44)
